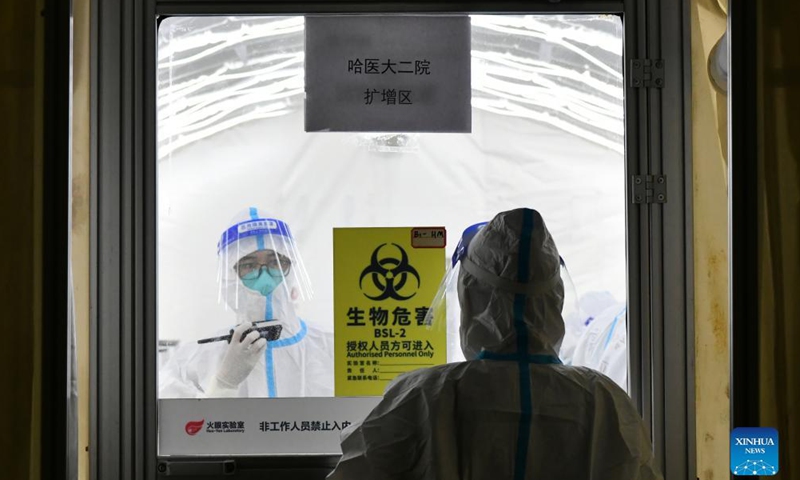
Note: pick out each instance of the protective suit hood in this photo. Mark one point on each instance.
(510, 265)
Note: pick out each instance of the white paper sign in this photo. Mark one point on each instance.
(398, 73)
(257, 426)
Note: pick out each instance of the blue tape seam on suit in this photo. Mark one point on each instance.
(513, 357)
(524, 429)
(272, 390)
(260, 238)
(613, 326)
(256, 226)
(522, 357)
(260, 242)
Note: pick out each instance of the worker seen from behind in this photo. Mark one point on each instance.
(511, 411)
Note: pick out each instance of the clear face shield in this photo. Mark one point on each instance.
(445, 310)
(261, 274)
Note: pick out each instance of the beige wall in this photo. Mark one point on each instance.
(81, 219)
(709, 127)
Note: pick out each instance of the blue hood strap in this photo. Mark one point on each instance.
(513, 357)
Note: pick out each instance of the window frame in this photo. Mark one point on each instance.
(124, 336)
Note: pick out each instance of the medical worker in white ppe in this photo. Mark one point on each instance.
(262, 278)
(603, 344)
(512, 410)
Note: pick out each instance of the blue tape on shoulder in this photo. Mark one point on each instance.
(513, 357)
(286, 342)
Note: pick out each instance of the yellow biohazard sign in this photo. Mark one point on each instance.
(384, 281)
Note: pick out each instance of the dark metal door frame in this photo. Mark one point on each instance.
(123, 351)
(55, 235)
(743, 155)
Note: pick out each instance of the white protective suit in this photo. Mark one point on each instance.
(589, 306)
(298, 364)
(511, 411)
(603, 345)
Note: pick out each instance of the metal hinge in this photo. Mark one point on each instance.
(649, 188)
(645, 73)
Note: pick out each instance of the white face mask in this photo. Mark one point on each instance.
(277, 306)
(261, 272)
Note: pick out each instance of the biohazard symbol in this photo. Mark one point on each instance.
(389, 275)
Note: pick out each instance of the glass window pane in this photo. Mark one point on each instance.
(548, 133)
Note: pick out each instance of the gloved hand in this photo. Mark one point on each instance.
(240, 357)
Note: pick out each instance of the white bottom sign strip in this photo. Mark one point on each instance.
(257, 426)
